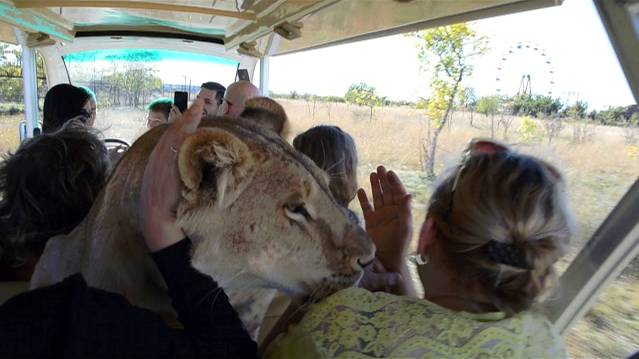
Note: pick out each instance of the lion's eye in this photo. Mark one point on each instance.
(297, 212)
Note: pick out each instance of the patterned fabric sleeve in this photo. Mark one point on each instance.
(355, 323)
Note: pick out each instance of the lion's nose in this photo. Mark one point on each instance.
(359, 248)
(363, 263)
(363, 260)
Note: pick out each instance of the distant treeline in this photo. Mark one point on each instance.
(535, 106)
(337, 99)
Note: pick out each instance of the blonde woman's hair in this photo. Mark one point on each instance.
(334, 151)
(267, 113)
(503, 226)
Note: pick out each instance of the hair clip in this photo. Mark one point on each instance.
(508, 254)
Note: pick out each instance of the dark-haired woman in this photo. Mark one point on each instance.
(64, 102)
(46, 188)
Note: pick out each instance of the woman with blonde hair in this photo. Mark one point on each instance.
(334, 151)
(494, 228)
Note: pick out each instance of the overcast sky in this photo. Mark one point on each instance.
(571, 37)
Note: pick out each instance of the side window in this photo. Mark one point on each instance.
(126, 81)
(611, 327)
(11, 103)
(533, 87)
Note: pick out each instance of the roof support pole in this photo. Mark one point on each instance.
(264, 74)
(272, 45)
(29, 82)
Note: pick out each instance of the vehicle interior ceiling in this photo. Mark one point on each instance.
(247, 31)
(238, 28)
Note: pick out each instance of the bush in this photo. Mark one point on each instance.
(528, 130)
(10, 109)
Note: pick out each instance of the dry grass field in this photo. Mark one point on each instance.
(598, 173)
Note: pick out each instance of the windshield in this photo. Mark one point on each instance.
(125, 81)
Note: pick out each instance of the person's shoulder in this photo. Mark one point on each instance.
(534, 317)
(355, 294)
(35, 303)
(360, 299)
(541, 335)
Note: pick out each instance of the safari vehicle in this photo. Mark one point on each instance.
(72, 36)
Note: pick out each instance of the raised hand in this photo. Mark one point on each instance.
(389, 220)
(161, 183)
(174, 114)
(376, 278)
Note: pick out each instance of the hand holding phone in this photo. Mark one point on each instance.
(180, 100)
(242, 75)
(174, 114)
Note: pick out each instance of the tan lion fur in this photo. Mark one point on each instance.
(239, 181)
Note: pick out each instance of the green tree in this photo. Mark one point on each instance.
(135, 83)
(362, 94)
(612, 116)
(578, 110)
(468, 101)
(11, 73)
(447, 51)
(536, 105)
(489, 107)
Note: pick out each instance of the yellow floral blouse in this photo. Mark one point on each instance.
(355, 323)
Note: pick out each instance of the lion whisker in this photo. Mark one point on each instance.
(218, 290)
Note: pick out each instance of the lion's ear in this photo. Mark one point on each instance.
(214, 163)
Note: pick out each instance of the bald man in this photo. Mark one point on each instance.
(236, 95)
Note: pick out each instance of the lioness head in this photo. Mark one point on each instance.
(261, 214)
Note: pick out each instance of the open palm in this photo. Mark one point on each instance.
(389, 219)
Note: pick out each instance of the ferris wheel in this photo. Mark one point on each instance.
(525, 69)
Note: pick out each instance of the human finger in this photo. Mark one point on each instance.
(160, 177)
(364, 203)
(387, 194)
(191, 118)
(377, 282)
(177, 132)
(161, 184)
(378, 266)
(378, 199)
(396, 187)
(174, 114)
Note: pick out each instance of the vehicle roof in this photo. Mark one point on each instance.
(243, 24)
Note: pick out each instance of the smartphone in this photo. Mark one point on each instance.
(242, 75)
(181, 99)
